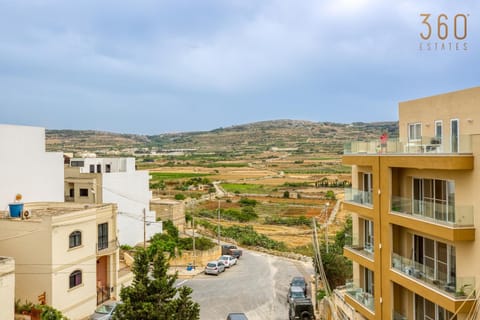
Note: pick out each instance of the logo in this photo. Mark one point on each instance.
(444, 32)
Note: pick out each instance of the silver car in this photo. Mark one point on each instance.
(105, 311)
(228, 260)
(214, 267)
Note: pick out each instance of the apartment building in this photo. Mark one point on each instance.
(415, 210)
(167, 209)
(114, 180)
(65, 254)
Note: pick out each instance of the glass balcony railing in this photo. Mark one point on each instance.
(363, 247)
(358, 196)
(403, 146)
(358, 294)
(432, 211)
(456, 287)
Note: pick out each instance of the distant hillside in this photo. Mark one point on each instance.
(305, 136)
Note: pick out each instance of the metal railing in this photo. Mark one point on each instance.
(450, 284)
(431, 211)
(103, 294)
(358, 196)
(403, 146)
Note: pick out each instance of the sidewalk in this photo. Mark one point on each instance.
(183, 273)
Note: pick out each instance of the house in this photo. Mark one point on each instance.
(167, 209)
(415, 211)
(65, 254)
(26, 168)
(114, 180)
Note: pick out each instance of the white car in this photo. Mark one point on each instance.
(228, 260)
(214, 267)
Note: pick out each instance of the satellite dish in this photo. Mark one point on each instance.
(27, 214)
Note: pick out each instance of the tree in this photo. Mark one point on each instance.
(152, 295)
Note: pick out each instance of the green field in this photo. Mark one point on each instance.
(175, 175)
(246, 188)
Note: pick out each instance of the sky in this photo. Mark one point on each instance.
(152, 67)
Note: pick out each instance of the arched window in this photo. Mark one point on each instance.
(75, 278)
(75, 239)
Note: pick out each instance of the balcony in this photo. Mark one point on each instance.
(428, 145)
(106, 247)
(456, 287)
(360, 252)
(360, 296)
(398, 316)
(453, 223)
(359, 197)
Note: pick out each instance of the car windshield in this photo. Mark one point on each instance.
(211, 265)
(297, 294)
(105, 309)
(298, 282)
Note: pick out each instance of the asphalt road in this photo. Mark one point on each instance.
(257, 286)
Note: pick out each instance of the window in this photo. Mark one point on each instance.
(102, 236)
(75, 239)
(454, 136)
(438, 131)
(71, 192)
(75, 278)
(414, 131)
(99, 168)
(368, 236)
(108, 168)
(83, 192)
(92, 168)
(369, 283)
(77, 163)
(367, 188)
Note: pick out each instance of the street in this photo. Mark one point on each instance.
(257, 286)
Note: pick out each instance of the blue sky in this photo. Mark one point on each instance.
(151, 67)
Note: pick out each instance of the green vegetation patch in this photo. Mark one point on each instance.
(176, 175)
(247, 188)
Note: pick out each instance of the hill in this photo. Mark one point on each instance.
(295, 135)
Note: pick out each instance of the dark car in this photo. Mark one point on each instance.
(299, 282)
(237, 316)
(295, 293)
(301, 309)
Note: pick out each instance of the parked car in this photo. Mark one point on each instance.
(295, 293)
(214, 267)
(228, 260)
(232, 250)
(237, 316)
(301, 309)
(105, 311)
(299, 282)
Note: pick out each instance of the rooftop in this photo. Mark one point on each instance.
(46, 209)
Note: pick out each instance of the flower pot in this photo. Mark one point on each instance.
(16, 209)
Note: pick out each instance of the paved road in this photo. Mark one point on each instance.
(257, 286)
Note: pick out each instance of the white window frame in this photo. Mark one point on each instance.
(417, 135)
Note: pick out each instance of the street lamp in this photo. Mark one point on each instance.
(325, 210)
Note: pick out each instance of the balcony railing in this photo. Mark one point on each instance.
(402, 146)
(103, 246)
(398, 316)
(358, 196)
(456, 287)
(362, 247)
(431, 211)
(364, 298)
(339, 301)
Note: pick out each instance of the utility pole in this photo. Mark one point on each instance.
(144, 228)
(218, 210)
(326, 225)
(194, 251)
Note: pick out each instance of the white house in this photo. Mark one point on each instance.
(115, 180)
(25, 167)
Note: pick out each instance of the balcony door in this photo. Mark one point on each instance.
(367, 188)
(368, 235)
(436, 260)
(102, 236)
(434, 199)
(427, 310)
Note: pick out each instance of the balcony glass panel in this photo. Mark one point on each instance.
(431, 211)
(456, 287)
(358, 196)
(399, 316)
(360, 246)
(358, 294)
(402, 146)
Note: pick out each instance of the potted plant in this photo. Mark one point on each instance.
(16, 208)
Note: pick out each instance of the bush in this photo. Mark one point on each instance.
(179, 196)
(247, 202)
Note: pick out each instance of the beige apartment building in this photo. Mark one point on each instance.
(65, 253)
(415, 207)
(167, 209)
(7, 288)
